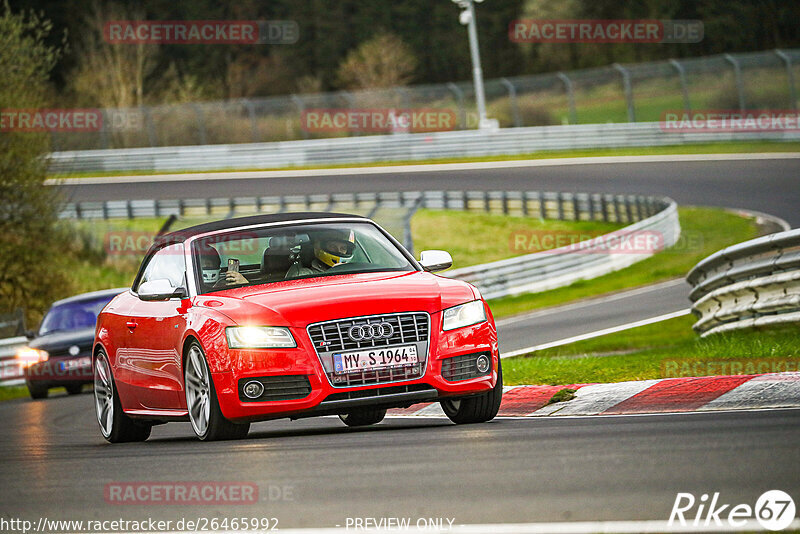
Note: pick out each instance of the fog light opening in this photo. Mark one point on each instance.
(482, 363)
(253, 389)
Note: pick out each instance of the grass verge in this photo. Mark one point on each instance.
(662, 350)
(700, 148)
(475, 238)
(704, 231)
(12, 392)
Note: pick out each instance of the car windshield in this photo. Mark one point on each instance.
(268, 255)
(74, 315)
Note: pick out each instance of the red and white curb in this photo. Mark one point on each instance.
(709, 393)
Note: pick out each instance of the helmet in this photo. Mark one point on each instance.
(333, 246)
(209, 264)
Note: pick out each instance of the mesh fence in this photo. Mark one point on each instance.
(629, 93)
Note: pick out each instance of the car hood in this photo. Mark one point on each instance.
(301, 302)
(58, 341)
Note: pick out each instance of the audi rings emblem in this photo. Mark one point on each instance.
(370, 332)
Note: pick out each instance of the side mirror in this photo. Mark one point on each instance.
(160, 289)
(30, 334)
(435, 260)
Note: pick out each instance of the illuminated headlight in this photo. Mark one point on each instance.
(28, 356)
(259, 337)
(464, 315)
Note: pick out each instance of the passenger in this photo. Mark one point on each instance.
(210, 265)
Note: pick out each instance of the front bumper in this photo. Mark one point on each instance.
(325, 399)
(61, 371)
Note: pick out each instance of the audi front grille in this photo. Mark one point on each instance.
(331, 337)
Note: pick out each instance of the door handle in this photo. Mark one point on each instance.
(131, 324)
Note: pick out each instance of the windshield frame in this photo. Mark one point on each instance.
(193, 275)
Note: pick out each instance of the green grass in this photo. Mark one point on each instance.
(733, 147)
(475, 238)
(13, 392)
(661, 350)
(704, 231)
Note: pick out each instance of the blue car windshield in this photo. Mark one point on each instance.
(75, 315)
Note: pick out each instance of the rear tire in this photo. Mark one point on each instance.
(205, 415)
(115, 426)
(370, 416)
(478, 408)
(74, 389)
(37, 391)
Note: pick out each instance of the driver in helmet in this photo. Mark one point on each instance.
(331, 248)
(210, 266)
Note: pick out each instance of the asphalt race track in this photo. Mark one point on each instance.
(317, 472)
(56, 465)
(768, 185)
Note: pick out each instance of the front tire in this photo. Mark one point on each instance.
(478, 408)
(205, 415)
(37, 391)
(115, 426)
(74, 389)
(370, 416)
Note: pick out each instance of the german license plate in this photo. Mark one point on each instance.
(75, 363)
(377, 358)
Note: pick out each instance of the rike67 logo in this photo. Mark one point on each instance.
(774, 510)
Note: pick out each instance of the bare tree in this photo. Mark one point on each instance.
(383, 61)
(111, 75)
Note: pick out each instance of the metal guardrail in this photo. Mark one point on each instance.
(748, 285)
(397, 147)
(630, 93)
(560, 267)
(10, 371)
(654, 218)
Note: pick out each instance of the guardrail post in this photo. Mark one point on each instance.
(148, 123)
(628, 209)
(573, 114)
(560, 202)
(504, 200)
(251, 114)
(542, 208)
(104, 129)
(604, 207)
(512, 96)
(462, 112)
(737, 72)
(129, 208)
(576, 212)
(687, 106)
(626, 84)
(590, 201)
(789, 76)
(524, 203)
(201, 127)
(301, 107)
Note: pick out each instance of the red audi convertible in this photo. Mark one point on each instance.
(290, 315)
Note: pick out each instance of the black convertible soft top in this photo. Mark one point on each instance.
(182, 235)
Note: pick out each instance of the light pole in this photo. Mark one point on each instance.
(467, 18)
